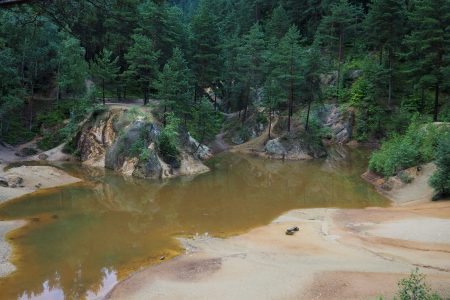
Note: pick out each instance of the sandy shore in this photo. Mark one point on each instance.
(337, 254)
(33, 178)
(5, 249)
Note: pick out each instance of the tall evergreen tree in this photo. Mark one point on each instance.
(385, 27)
(251, 61)
(429, 43)
(310, 87)
(173, 86)
(105, 69)
(72, 68)
(273, 95)
(336, 29)
(143, 63)
(206, 41)
(287, 66)
(278, 24)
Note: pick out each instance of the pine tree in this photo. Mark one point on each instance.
(143, 63)
(429, 43)
(206, 39)
(273, 95)
(278, 24)
(251, 61)
(105, 69)
(310, 87)
(336, 29)
(163, 24)
(173, 86)
(72, 68)
(286, 65)
(385, 27)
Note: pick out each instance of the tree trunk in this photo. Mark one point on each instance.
(436, 103)
(195, 93)
(145, 95)
(390, 78)
(291, 104)
(340, 58)
(215, 102)
(381, 56)
(270, 122)
(164, 115)
(247, 96)
(103, 91)
(422, 101)
(307, 116)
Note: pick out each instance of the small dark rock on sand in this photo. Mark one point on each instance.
(292, 230)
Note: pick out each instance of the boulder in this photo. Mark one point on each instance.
(199, 151)
(354, 74)
(4, 182)
(274, 147)
(11, 180)
(26, 151)
(340, 123)
(43, 156)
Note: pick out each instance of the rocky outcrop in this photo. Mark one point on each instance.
(97, 135)
(275, 148)
(127, 143)
(295, 147)
(339, 121)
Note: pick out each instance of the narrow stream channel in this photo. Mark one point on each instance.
(81, 239)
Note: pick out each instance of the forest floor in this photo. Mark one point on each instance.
(337, 254)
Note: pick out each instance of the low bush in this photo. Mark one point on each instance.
(414, 288)
(440, 180)
(168, 141)
(418, 145)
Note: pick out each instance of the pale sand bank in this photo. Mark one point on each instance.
(338, 254)
(34, 178)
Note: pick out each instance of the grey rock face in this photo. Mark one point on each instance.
(274, 147)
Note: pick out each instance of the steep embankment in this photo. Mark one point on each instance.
(297, 144)
(126, 140)
(418, 190)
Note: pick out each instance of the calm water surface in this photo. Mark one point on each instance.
(81, 239)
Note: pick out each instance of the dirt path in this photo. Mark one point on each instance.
(255, 145)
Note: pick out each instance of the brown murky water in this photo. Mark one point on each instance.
(82, 239)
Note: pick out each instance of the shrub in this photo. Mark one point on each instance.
(51, 118)
(404, 177)
(416, 146)
(440, 180)
(136, 147)
(168, 141)
(414, 288)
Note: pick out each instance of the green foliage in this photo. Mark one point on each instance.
(440, 180)
(105, 69)
(168, 141)
(414, 287)
(206, 122)
(174, 85)
(416, 146)
(206, 45)
(72, 68)
(143, 63)
(404, 177)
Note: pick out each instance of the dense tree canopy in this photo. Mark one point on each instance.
(238, 54)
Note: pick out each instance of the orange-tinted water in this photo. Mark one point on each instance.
(82, 239)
